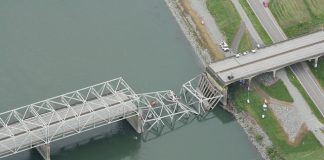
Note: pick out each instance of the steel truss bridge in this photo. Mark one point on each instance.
(38, 124)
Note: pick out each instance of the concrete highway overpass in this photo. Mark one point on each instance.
(268, 59)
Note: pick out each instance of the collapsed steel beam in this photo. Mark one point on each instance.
(200, 94)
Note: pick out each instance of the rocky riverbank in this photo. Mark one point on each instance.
(255, 133)
(190, 30)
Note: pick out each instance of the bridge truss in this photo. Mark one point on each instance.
(65, 115)
(161, 108)
(78, 111)
(201, 94)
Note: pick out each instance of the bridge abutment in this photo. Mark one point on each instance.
(201, 94)
(44, 151)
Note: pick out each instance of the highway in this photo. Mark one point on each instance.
(305, 77)
(269, 58)
(301, 70)
(268, 21)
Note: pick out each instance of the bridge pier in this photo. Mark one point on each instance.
(136, 122)
(316, 61)
(44, 151)
(274, 73)
(249, 80)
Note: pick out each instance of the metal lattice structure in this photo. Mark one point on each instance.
(159, 108)
(201, 94)
(40, 123)
(66, 115)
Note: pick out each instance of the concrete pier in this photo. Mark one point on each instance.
(44, 151)
(315, 62)
(137, 123)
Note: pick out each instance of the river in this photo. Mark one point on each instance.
(50, 47)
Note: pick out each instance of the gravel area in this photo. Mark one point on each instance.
(312, 123)
(289, 118)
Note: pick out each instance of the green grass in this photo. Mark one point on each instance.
(319, 71)
(308, 144)
(256, 23)
(297, 17)
(278, 91)
(226, 17)
(245, 43)
(309, 101)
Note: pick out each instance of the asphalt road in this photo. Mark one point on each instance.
(254, 34)
(308, 81)
(267, 20)
(270, 58)
(301, 70)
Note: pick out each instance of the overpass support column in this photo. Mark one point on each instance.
(316, 61)
(44, 151)
(274, 73)
(249, 80)
(136, 122)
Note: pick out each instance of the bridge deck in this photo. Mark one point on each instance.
(270, 58)
(92, 113)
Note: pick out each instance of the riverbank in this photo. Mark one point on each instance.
(255, 133)
(190, 24)
(195, 31)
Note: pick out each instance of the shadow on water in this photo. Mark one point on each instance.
(218, 113)
(117, 140)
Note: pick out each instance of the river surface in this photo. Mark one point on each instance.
(49, 47)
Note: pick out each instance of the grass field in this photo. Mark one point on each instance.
(256, 23)
(278, 91)
(226, 17)
(307, 148)
(245, 43)
(297, 17)
(319, 71)
(309, 101)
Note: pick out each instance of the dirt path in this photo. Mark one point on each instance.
(207, 41)
(254, 34)
(238, 36)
